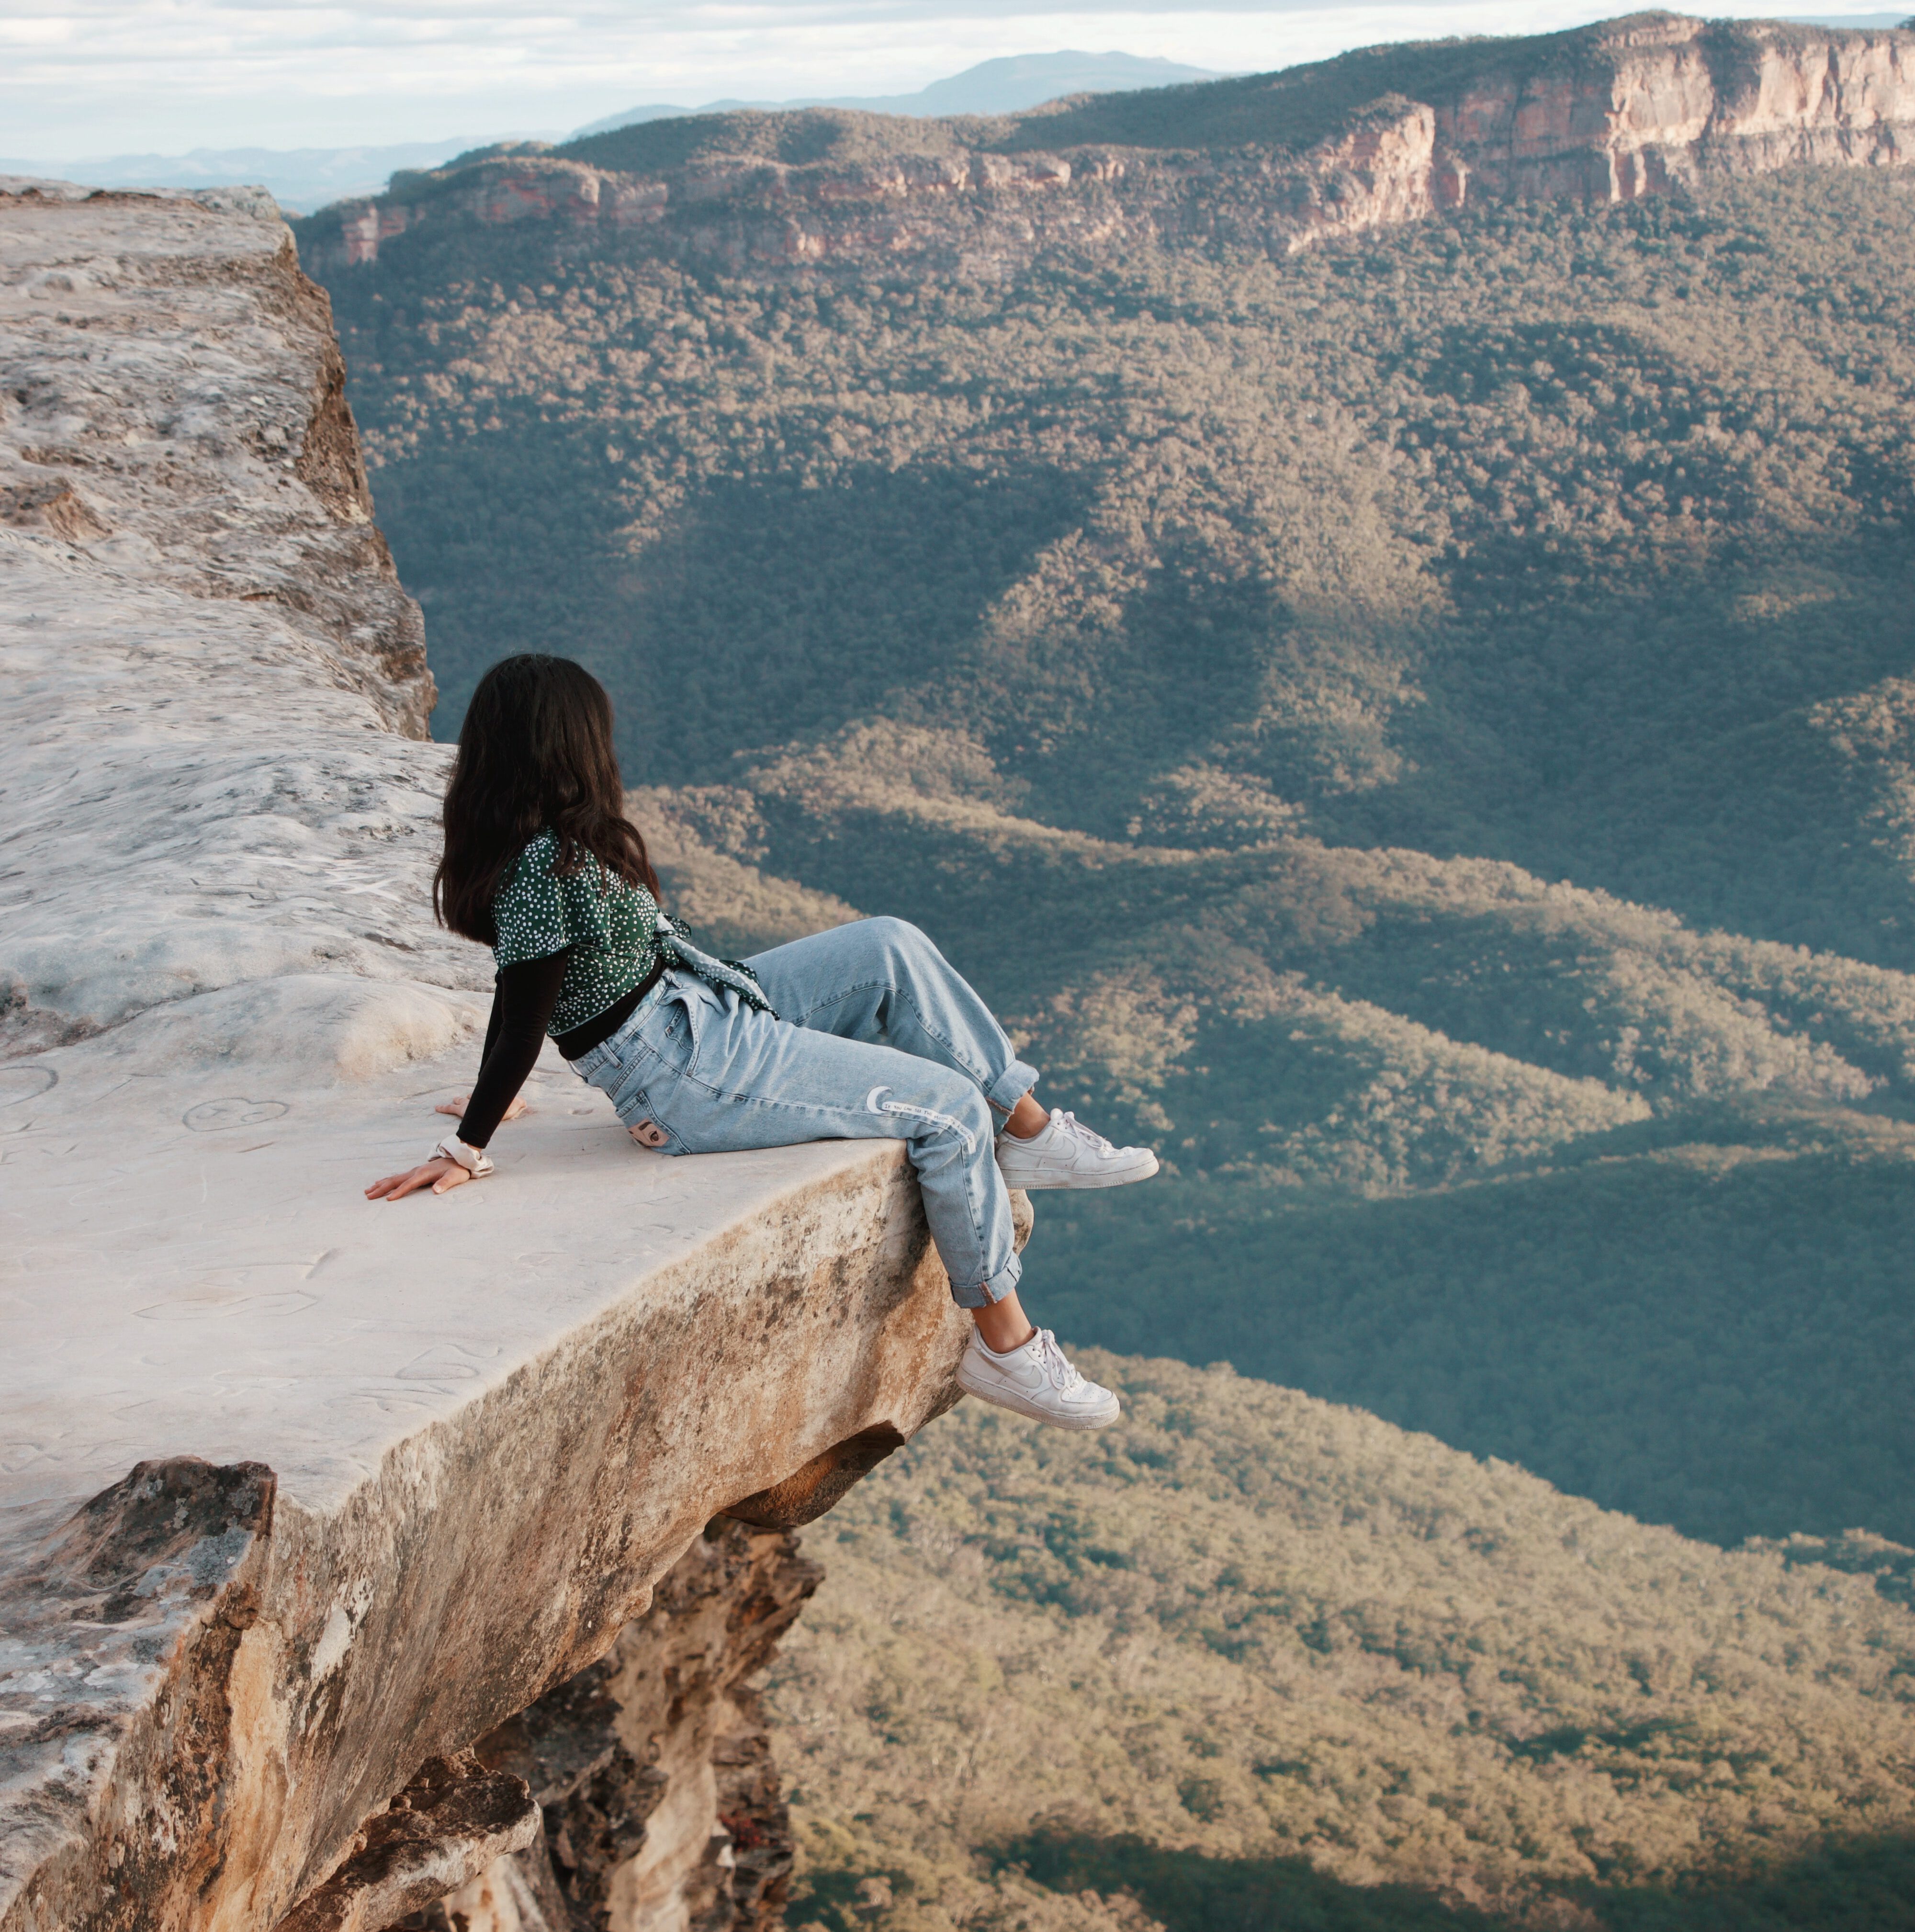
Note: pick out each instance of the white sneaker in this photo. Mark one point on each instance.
(1036, 1380)
(1066, 1154)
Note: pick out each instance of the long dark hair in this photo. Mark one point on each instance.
(535, 753)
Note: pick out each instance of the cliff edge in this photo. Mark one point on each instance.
(313, 1512)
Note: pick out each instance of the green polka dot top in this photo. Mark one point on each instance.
(612, 932)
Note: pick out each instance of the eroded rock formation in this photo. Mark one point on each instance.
(302, 1498)
(653, 1767)
(194, 432)
(1610, 112)
(641, 1792)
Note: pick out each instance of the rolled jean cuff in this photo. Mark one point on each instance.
(994, 1290)
(1007, 1089)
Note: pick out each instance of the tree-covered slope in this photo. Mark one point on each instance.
(1251, 1660)
(1420, 729)
(1546, 535)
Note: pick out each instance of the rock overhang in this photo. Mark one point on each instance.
(471, 1432)
(193, 1257)
(300, 1492)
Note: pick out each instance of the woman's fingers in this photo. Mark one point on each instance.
(439, 1175)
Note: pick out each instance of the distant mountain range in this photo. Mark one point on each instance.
(1004, 86)
(302, 179)
(299, 179)
(1372, 139)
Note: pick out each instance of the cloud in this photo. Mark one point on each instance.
(110, 76)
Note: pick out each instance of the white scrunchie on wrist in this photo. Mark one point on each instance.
(474, 1160)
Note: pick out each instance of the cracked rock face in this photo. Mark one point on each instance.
(454, 1816)
(303, 1497)
(661, 1806)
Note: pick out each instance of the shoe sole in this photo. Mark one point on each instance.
(1005, 1399)
(1082, 1180)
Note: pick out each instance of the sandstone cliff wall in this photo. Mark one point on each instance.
(1646, 103)
(302, 1497)
(1634, 106)
(658, 1804)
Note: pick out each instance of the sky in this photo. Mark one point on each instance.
(97, 77)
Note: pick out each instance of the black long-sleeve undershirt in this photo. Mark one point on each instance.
(523, 999)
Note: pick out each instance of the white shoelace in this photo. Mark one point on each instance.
(1055, 1363)
(1072, 1125)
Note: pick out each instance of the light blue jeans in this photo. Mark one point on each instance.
(878, 1037)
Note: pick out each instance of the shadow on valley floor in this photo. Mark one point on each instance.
(772, 607)
(1867, 1886)
(765, 608)
(1189, 1892)
(1714, 1338)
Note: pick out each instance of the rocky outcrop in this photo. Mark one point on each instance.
(1640, 105)
(970, 211)
(453, 1818)
(1611, 112)
(302, 1498)
(177, 405)
(641, 1792)
(661, 1806)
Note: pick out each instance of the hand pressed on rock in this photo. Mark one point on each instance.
(442, 1176)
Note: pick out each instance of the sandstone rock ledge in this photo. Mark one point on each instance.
(313, 1512)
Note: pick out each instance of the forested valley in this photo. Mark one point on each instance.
(1422, 731)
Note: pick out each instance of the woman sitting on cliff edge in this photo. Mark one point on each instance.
(863, 1032)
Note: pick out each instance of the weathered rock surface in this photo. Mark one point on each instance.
(1610, 112)
(300, 1497)
(661, 1805)
(454, 1818)
(174, 399)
